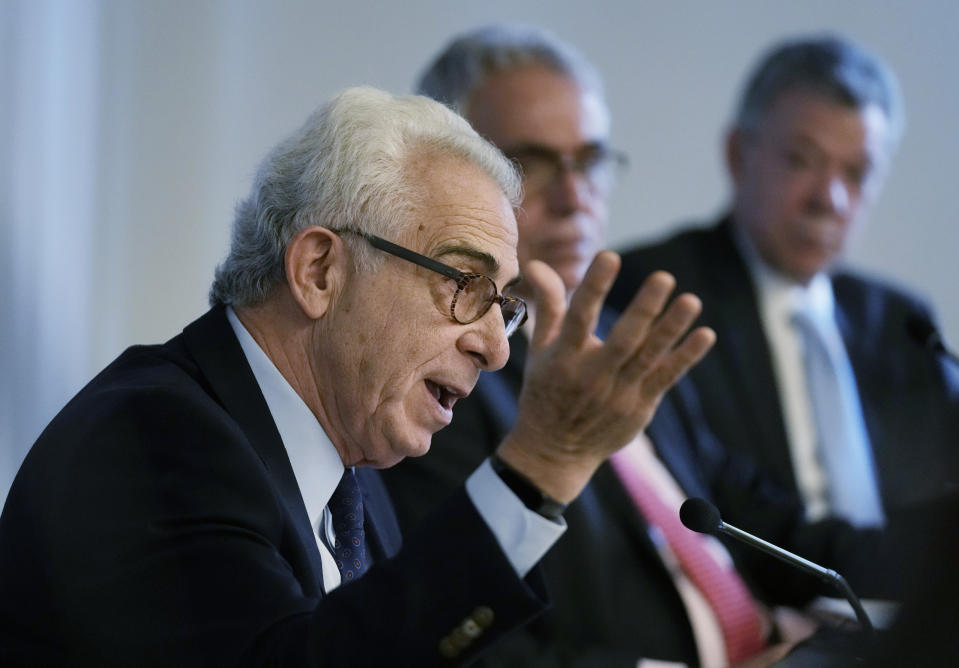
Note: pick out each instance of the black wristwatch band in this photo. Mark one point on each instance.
(531, 495)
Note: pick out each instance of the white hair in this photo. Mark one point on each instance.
(347, 167)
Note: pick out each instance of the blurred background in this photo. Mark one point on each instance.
(129, 128)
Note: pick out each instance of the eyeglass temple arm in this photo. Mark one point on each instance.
(414, 257)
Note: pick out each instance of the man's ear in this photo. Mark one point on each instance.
(315, 265)
(735, 156)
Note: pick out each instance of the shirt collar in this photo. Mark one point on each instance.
(780, 294)
(315, 461)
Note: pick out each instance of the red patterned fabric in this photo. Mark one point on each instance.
(735, 609)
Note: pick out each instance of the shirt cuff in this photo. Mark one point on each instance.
(524, 535)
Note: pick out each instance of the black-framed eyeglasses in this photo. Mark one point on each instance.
(541, 165)
(475, 293)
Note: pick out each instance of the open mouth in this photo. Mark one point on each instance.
(445, 396)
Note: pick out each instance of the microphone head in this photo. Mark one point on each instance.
(700, 515)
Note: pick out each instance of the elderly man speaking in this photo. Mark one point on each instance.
(213, 500)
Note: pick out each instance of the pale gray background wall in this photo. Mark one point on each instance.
(129, 128)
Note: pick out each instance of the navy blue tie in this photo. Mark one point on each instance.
(346, 508)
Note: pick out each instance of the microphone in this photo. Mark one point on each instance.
(922, 331)
(701, 516)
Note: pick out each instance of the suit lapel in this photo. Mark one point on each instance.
(381, 525)
(730, 306)
(672, 446)
(218, 354)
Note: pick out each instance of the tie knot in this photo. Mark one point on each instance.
(346, 504)
(348, 485)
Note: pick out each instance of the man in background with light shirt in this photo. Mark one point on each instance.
(818, 374)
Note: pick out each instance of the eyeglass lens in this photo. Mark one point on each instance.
(541, 166)
(477, 294)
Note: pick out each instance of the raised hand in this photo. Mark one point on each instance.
(583, 398)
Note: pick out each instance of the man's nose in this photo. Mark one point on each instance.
(485, 340)
(569, 191)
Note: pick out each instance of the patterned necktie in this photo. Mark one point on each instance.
(346, 508)
(735, 609)
(843, 444)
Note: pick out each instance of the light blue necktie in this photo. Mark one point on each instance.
(843, 444)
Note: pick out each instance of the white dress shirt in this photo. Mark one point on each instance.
(779, 299)
(524, 535)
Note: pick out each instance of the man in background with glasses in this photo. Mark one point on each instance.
(620, 595)
(544, 107)
(215, 500)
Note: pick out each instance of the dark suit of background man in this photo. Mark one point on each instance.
(203, 501)
(617, 598)
(813, 136)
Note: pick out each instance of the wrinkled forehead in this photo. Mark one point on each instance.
(460, 211)
(537, 105)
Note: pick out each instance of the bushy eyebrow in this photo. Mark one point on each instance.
(489, 263)
(864, 161)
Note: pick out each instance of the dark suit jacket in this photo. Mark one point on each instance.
(613, 599)
(910, 401)
(157, 521)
